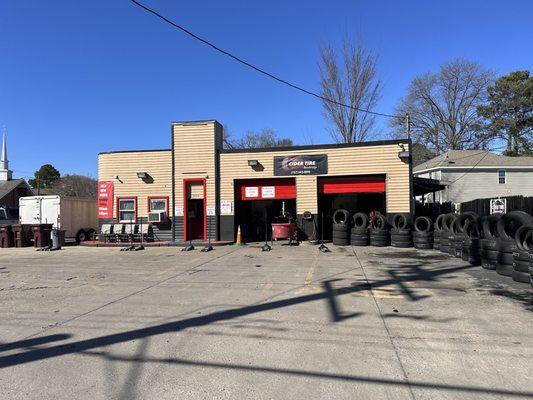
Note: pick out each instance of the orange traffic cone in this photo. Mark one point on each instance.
(239, 237)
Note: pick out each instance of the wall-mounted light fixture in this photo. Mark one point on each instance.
(253, 163)
(142, 175)
(403, 154)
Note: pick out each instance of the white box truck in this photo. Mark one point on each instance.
(77, 217)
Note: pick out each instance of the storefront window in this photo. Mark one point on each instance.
(159, 204)
(126, 210)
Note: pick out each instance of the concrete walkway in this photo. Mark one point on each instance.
(235, 323)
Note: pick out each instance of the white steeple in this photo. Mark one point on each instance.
(5, 173)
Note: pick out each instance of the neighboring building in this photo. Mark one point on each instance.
(476, 174)
(198, 188)
(10, 189)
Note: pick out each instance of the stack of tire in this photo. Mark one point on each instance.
(471, 250)
(458, 232)
(489, 243)
(401, 231)
(341, 228)
(446, 233)
(437, 232)
(379, 233)
(523, 256)
(508, 226)
(423, 235)
(360, 231)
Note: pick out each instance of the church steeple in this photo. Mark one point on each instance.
(5, 173)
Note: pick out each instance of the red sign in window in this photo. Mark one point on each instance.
(105, 199)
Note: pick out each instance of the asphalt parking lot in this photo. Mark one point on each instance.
(235, 323)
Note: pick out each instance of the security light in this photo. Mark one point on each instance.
(253, 163)
(142, 175)
(403, 155)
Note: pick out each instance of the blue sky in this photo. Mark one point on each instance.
(81, 77)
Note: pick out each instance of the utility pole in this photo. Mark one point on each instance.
(408, 125)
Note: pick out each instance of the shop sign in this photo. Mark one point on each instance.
(251, 191)
(105, 199)
(226, 206)
(268, 192)
(301, 165)
(211, 211)
(178, 211)
(498, 206)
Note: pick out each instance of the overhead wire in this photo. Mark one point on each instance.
(259, 69)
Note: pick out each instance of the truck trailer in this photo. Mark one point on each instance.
(76, 216)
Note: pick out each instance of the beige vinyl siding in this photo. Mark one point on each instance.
(194, 156)
(125, 165)
(364, 160)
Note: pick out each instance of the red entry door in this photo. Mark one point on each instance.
(194, 224)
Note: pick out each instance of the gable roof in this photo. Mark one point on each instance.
(8, 186)
(473, 158)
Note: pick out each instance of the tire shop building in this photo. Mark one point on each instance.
(196, 188)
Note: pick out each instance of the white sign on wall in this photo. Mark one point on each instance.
(178, 211)
(251, 191)
(268, 192)
(498, 206)
(211, 211)
(226, 206)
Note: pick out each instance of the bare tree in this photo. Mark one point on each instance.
(443, 107)
(75, 186)
(350, 80)
(253, 140)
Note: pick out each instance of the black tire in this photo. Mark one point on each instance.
(448, 222)
(488, 264)
(379, 242)
(422, 234)
(490, 230)
(341, 242)
(422, 241)
(395, 231)
(504, 269)
(341, 235)
(491, 255)
(81, 236)
(505, 258)
(423, 246)
(506, 246)
(378, 222)
(358, 237)
(423, 224)
(489, 244)
(528, 242)
(509, 223)
(439, 222)
(460, 221)
(360, 231)
(444, 248)
(436, 246)
(379, 233)
(402, 245)
(472, 228)
(341, 227)
(521, 277)
(521, 266)
(400, 221)
(521, 256)
(359, 242)
(360, 220)
(341, 217)
(91, 234)
(474, 261)
(521, 235)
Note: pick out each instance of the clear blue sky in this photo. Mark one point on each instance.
(81, 77)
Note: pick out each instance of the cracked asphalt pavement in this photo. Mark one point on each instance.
(237, 323)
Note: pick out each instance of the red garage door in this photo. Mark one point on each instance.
(352, 184)
(265, 189)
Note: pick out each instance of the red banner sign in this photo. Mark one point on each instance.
(105, 199)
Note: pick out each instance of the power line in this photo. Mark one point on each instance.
(255, 68)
